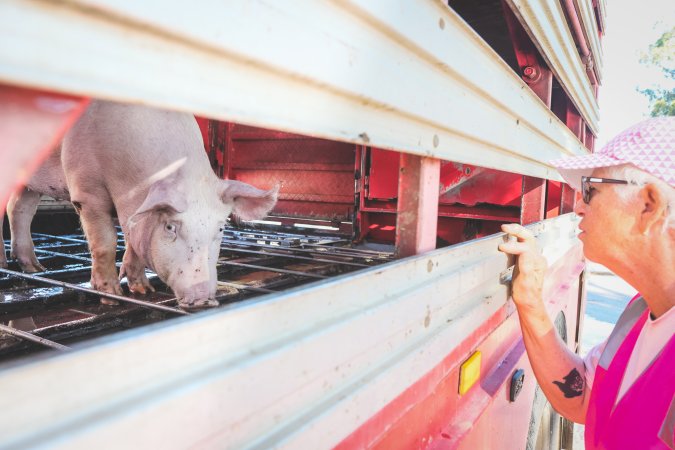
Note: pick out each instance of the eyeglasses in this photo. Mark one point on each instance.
(586, 187)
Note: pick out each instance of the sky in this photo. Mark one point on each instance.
(631, 26)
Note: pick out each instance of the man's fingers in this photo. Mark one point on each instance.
(519, 231)
(515, 247)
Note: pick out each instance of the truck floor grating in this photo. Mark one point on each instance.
(57, 307)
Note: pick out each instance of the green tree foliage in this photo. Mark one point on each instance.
(661, 54)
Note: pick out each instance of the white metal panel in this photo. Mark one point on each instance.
(300, 369)
(602, 10)
(545, 22)
(410, 76)
(590, 26)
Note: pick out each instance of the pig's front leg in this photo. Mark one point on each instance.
(20, 210)
(134, 270)
(102, 238)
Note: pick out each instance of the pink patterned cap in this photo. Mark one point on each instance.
(649, 145)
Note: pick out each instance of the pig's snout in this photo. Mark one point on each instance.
(197, 296)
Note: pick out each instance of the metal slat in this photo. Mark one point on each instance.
(31, 337)
(93, 292)
(282, 345)
(48, 305)
(326, 74)
(274, 269)
(587, 18)
(292, 256)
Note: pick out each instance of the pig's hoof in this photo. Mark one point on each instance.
(197, 304)
(140, 286)
(31, 267)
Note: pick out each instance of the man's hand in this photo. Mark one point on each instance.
(528, 275)
(559, 371)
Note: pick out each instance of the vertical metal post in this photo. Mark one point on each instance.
(574, 122)
(228, 151)
(567, 199)
(220, 143)
(417, 208)
(532, 200)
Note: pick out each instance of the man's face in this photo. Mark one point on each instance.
(607, 222)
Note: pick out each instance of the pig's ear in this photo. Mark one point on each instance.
(165, 195)
(248, 202)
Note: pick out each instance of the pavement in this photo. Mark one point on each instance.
(606, 297)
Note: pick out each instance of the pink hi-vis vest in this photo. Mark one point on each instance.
(644, 418)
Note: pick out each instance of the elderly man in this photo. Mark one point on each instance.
(624, 389)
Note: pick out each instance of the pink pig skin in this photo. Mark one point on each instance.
(148, 165)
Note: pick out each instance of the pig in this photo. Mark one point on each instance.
(48, 179)
(149, 167)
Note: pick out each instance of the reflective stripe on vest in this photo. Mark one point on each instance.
(626, 322)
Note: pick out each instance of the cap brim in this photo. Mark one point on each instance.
(575, 167)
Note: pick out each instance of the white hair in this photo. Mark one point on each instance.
(638, 177)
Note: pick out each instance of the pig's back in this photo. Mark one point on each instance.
(123, 146)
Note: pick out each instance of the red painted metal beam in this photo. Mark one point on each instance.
(417, 211)
(32, 124)
(534, 195)
(533, 69)
(580, 39)
(568, 199)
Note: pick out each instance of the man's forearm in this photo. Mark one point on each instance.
(559, 371)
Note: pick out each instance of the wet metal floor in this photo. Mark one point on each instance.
(64, 310)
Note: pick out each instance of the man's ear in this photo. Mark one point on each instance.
(247, 202)
(654, 208)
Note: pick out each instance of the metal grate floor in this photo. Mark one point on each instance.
(57, 307)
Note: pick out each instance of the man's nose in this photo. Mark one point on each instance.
(579, 204)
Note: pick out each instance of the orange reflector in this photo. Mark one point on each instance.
(469, 373)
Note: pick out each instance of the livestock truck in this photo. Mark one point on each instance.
(371, 309)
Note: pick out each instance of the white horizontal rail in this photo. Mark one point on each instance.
(545, 22)
(602, 10)
(301, 369)
(590, 27)
(409, 76)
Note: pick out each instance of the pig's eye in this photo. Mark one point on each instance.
(170, 227)
(221, 230)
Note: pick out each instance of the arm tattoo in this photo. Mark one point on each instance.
(573, 385)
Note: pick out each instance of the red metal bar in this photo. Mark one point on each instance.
(568, 199)
(580, 39)
(534, 194)
(553, 198)
(589, 139)
(534, 70)
(32, 124)
(417, 212)
(454, 175)
(490, 213)
(574, 121)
